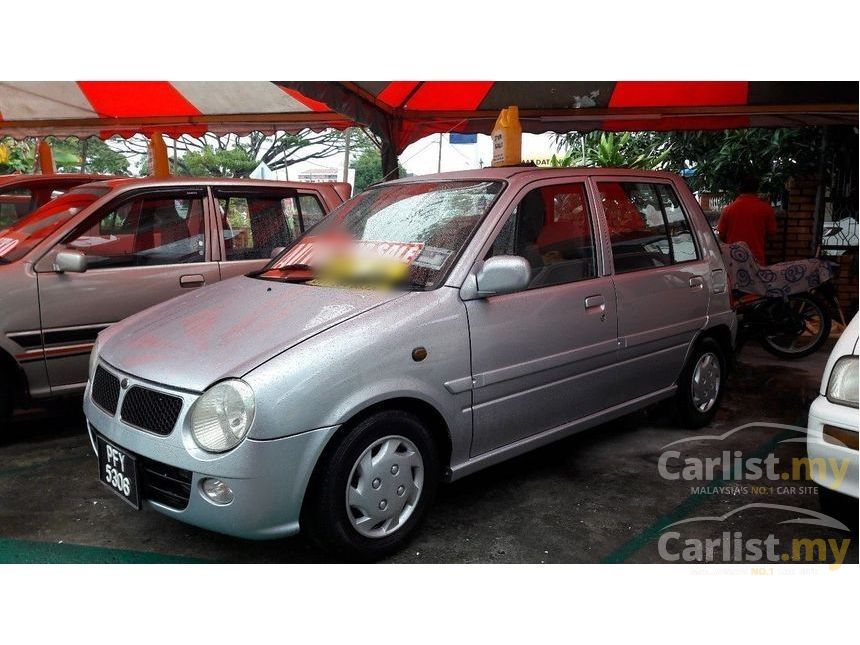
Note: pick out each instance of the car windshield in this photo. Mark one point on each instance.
(23, 236)
(420, 227)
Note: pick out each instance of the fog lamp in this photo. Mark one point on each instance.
(217, 491)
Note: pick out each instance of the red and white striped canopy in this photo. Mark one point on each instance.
(409, 110)
(105, 108)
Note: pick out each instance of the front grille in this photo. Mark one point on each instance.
(151, 410)
(165, 484)
(105, 390)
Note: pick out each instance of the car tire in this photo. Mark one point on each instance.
(839, 506)
(701, 384)
(371, 492)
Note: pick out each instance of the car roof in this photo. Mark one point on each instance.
(529, 172)
(184, 181)
(6, 180)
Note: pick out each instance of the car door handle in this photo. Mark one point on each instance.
(595, 302)
(696, 282)
(191, 281)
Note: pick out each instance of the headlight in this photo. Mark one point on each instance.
(842, 387)
(94, 358)
(223, 415)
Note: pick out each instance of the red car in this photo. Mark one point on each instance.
(20, 195)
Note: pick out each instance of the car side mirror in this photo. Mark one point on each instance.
(276, 251)
(70, 262)
(497, 276)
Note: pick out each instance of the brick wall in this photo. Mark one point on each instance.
(794, 240)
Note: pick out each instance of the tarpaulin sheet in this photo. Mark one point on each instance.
(774, 280)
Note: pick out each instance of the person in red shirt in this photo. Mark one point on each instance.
(748, 219)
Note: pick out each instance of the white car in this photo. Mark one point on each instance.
(833, 427)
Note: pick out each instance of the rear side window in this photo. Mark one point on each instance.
(312, 210)
(255, 224)
(551, 228)
(647, 226)
(680, 234)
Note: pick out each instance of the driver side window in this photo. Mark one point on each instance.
(551, 228)
(146, 230)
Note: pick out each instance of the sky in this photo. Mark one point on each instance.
(422, 157)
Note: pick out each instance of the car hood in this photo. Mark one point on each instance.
(227, 329)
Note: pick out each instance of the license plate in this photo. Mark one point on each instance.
(118, 471)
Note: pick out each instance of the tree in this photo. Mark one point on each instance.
(88, 155)
(232, 155)
(216, 162)
(642, 150)
(713, 161)
(366, 160)
(70, 155)
(368, 168)
(718, 159)
(16, 156)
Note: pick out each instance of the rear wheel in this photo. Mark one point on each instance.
(803, 325)
(700, 386)
(374, 489)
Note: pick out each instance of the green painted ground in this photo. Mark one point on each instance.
(31, 552)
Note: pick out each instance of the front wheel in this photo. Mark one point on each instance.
(374, 489)
(801, 326)
(700, 386)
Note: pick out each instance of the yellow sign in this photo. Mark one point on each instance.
(507, 138)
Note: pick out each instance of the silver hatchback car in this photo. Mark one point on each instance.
(108, 249)
(534, 304)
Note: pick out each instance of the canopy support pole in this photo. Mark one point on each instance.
(46, 158)
(159, 166)
(390, 164)
(365, 112)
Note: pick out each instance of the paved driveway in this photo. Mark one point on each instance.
(596, 497)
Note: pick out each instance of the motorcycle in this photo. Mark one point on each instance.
(786, 306)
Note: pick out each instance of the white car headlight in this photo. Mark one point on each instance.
(842, 386)
(94, 358)
(223, 415)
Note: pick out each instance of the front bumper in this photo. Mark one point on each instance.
(268, 478)
(832, 466)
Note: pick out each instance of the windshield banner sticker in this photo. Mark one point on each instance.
(7, 244)
(312, 252)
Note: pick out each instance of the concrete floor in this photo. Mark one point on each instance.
(596, 497)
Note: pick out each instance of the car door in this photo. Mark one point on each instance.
(543, 357)
(255, 221)
(142, 249)
(660, 281)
